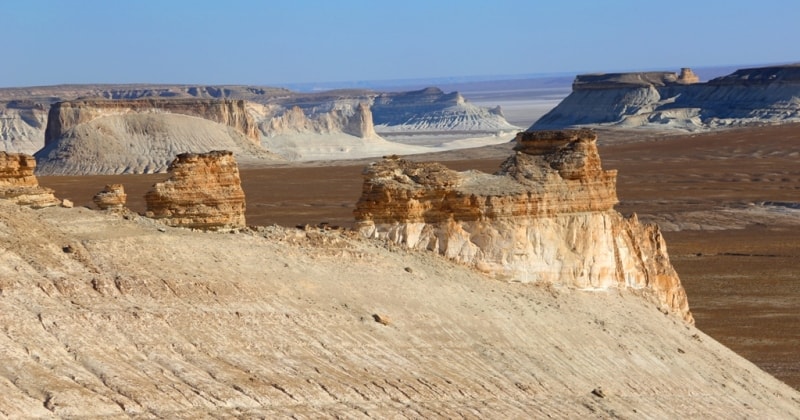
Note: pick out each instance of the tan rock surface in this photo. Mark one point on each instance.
(19, 184)
(546, 216)
(203, 192)
(134, 322)
(112, 197)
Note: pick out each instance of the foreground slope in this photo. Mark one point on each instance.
(103, 315)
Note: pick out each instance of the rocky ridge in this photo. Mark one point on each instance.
(546, 216)
(271, 112)
(203, 192)
(766, 95)
(19, 184)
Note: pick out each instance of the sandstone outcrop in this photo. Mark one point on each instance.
(546, 216)
(112, 197)
(19, 184)
(204, 192)
(767, 95)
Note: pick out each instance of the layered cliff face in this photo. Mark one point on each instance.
(143, 136)
(19, 184)
(546, 216)
(65, 116)
(767, 95)
(355, 121)
(203, 192)
(431, 110)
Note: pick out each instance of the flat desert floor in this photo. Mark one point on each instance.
(728, 203)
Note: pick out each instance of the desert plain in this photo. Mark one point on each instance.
(726, 202)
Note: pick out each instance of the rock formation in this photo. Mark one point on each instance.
(143, 136)
(432, 110)
(355, 121)
(204, 192)
(112, 197)
(19, 184)
(546, 216)
(687, 76)
(64, 116)
(768, 95)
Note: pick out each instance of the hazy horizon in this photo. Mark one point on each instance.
(249, 42)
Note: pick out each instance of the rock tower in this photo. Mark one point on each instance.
(204, 192)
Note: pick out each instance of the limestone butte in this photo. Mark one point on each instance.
(204, 192)
(546, 216)
(64, 116)
(112, 197)
(755, 96)
(19, 184)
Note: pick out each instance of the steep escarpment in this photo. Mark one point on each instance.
(65, 116)
(767, 95)
(204, 192)
(431, 110)
(355, 121)
(142, 136)
(546, 216)
(19, 184)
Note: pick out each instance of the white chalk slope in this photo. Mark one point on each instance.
(276, 323)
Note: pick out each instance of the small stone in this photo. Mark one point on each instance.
(598, 392)
(409, 270)
(67, 204)
(381, 319)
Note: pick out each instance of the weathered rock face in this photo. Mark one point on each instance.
(431, 109)
(767, 95)
(64, 116)
(546, 216)
(19, 184)
(112, 197)
(204, 192)
(356, 121)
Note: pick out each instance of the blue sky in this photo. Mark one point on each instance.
(279, 42)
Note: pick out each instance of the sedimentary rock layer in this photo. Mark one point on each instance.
(112, 197)
(765, 95)
(546, 216)
(19, 184)
(64, 116)
(204, 192)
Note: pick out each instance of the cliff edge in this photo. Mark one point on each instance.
(666, 100)
(546, 216)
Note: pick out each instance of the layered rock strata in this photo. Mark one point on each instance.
(64, 116)
(112, 197)
(766, 95)
(19, 184)
(204, 192)
(546, 216)
(355, 121)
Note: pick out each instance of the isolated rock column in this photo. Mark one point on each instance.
(204, 192)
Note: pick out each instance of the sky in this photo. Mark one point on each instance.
(279, 42)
